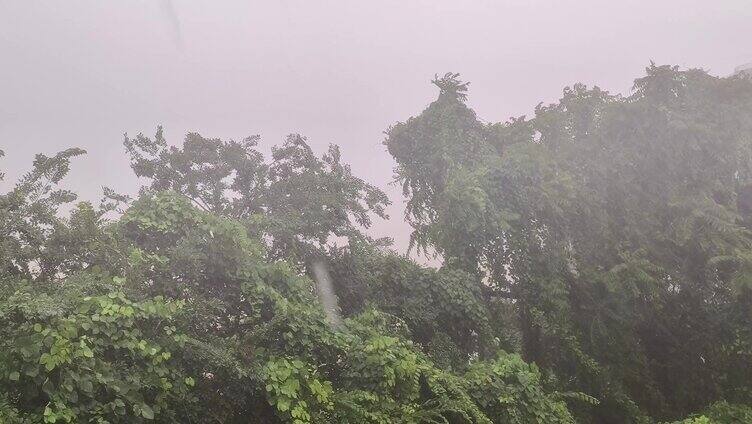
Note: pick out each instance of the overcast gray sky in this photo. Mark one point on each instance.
(81, 73)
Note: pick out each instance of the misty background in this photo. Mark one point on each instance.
(81, 73)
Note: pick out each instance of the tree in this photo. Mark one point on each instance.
(596, 268)
(619, 226)
(297, 200)
(172, 312)
(28, 215)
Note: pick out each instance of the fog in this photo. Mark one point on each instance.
(81, 73)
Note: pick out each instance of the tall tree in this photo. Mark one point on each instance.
(618, 224)
(298, 200)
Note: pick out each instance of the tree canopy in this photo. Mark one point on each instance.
(596, 268)
(618, 226)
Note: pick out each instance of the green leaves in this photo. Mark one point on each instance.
(100, 359)
(510, 389)
(147, 412)
(607, 239)
(295, 391)
(619, 225)
(296, 200)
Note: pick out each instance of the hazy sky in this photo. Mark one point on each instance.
(81, 73)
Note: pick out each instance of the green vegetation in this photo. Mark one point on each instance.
(597, 268)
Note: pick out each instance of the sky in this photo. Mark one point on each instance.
(83, 73)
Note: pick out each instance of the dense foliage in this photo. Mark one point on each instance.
(183, 309)
(619, 227)
(597, 268)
